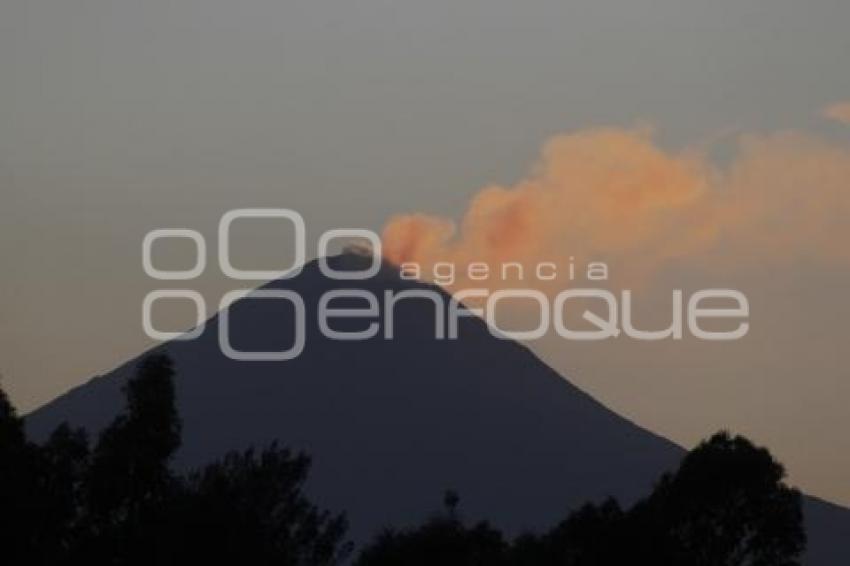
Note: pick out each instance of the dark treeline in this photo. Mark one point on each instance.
(725, 506)
(119, 502)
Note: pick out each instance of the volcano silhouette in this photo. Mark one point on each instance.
(392, 424)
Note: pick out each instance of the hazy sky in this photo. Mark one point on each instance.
(117, 117)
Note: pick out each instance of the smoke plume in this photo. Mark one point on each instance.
(614, 195)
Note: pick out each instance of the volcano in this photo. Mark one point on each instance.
(392, 424)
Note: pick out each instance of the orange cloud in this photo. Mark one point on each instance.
(839, 112)
(613, 195)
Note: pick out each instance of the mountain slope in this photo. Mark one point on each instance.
(392, 424)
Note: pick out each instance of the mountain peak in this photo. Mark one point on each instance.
(359, 257)
(391, 424)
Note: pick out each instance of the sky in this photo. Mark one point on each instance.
(118, 117)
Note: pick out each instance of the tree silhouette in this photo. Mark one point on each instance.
(129, 468)
(18, 524)
(443, 539)
(61, 468)
(592, 535)
(726, 505)
(122, 504)
(248, 508)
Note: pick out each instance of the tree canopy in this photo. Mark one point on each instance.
(119, 502)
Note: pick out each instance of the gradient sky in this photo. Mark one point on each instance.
(117, 117)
